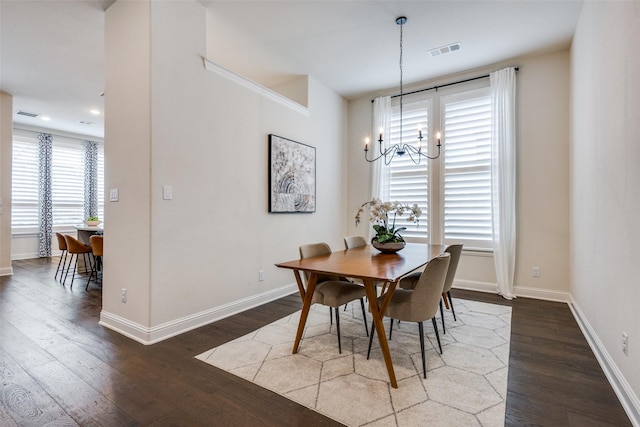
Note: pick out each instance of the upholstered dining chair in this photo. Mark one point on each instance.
(75, 247)
(96, 242)
(354, 242)
(333, 291)
(62, 245)
(410, 281)
(420, 303)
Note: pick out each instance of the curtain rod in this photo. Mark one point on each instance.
(35, 129)
(436, 87)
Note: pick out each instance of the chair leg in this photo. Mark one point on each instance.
(373, 330)
(75, 266)
(435, 328)
(390, 327)
(338, 330)
(330, 316)
(424, 363)
(65, 266)
(451, 304)
(59, 263)
(68, 268)
(444, 331)
(93, 270)
(364, 316)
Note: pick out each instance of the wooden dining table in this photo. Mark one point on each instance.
(370, 266)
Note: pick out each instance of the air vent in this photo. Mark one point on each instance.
(445, 49)
(84, 122)
(24, 113)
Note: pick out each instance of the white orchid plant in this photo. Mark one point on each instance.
(379, 213)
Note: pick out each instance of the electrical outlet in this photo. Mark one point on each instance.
(625, 343)
(123, 295)
(535, 271)
(261, 275)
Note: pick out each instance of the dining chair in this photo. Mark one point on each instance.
(409, 282)
(75, 247)
(420, 303)
(354, 242)
(333, 291)
(96, 242)
(62, 245)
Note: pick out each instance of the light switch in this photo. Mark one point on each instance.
(113, 195)
(167, 192)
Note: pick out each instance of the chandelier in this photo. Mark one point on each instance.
(416, 154)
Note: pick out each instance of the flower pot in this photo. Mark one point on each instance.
(388, 248)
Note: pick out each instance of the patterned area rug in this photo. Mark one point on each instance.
(465, 386)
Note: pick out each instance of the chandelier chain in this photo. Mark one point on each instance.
(401, 91)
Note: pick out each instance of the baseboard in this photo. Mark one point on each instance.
(6, 271)
(147, 336)
(627, 397)
(525, 292)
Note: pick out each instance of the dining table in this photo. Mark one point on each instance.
(373, 268)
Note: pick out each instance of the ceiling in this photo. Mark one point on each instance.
(52, 52)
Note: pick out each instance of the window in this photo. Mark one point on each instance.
(467, 169)
(409, 183)
(453, 191)
(24, 191)
(67, 181)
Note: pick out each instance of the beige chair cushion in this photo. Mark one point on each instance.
(336, 293)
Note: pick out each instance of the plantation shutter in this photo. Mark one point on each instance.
(409, 182)
(467, 169)
(67, 175)
(24, 191)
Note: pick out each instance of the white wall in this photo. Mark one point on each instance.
(195, 258)
(6, 124)
(543, 176)
(605, 182)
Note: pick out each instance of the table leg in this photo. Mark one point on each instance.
(306, 305)
(378, 313)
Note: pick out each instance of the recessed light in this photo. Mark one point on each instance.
(95, 112)
(46, 118)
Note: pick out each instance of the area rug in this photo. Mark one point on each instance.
(465, 386)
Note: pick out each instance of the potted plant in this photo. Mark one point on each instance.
(92, 221)
(387, 238)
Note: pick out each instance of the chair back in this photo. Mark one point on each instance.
(74, 246)
(96, 244)
(454, 251)
(424, 299)
(354, 242)
(62, 243)
(315, 249)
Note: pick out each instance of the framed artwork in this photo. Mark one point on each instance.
(292, 176)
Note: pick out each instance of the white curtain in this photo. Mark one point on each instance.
(503, 175)
(381, 120)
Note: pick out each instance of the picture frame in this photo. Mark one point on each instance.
(292, 176)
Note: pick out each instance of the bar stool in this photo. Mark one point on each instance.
(62, 245)
(74, 247)
(96, 247)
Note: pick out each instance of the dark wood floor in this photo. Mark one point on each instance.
(58, 366)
